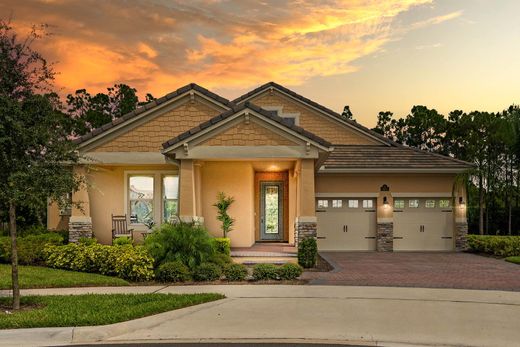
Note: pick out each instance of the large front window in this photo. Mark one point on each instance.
(152, 196)
(170, 196)
(141, 198)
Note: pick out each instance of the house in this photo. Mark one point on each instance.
(295, 168)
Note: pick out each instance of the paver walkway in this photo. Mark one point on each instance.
(414, 269)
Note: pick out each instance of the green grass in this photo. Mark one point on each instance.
(93, 309)
(43, 277)
(515, 260)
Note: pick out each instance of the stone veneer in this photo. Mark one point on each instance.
(303, 230)
(385, 237)
(79, 227)
(461, 232)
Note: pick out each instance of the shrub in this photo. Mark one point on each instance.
(88, 241)
(131, 263)
(307, 252)
(265, 272)
(235, 272)
(289, 271)
(222, 245)
(185, 242)
(220, 259)
(173, 271)
(123, 240)
(514, 260)
(502, 246)
(207, 272)
(30, 248)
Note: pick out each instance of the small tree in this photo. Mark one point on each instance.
(35, 149)
(222, 205)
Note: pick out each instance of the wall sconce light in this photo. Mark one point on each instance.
(385, 201)
(462, 203)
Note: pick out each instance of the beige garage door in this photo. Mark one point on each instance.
(424, 224)
(346, 224)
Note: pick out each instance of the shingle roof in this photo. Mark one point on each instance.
(382, 157)
(314, 104)
(153, 104)
(234, 109)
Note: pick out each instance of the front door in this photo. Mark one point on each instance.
(271, 210)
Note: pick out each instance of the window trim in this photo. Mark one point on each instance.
(157, 193)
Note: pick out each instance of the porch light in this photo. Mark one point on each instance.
(462, 203)
(385, 201)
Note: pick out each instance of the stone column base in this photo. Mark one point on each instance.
(461, 240)
(79, 226)
(305, 227)
(385, 237)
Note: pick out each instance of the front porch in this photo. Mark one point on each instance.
(273, 253)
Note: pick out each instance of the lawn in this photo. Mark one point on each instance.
(515, 260)
(43, 277)
(93, 309)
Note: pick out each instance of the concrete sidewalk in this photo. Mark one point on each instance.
(369, 315)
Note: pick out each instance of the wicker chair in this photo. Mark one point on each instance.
(120, 227)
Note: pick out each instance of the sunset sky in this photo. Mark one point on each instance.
(372, 55)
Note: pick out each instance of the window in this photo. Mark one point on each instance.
(413, 203)
(170, 195)
(141, 198)
(399, 203)
(430, 204)
(444, 203)
(289, 120)
(353, 204)
(323, 203)
(368, 203)
(337, 203)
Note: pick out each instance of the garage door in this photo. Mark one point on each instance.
(424, 224)
(346, 224)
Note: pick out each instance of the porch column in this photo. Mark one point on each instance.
(80, 222)
(306, 223)
(461, 220)
(385, 220)
(187, 192)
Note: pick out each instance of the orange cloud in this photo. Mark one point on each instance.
(156, 47)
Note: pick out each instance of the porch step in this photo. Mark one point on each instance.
(261, 254)
(264, 260)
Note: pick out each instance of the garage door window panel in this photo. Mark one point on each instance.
(413, 203)
(368, 203)
(353, 203)
(444, 203)
(337, 203)
(323, 203)
(399, 203)
(429, 204)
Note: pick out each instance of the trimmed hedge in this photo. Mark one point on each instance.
(235, 272)
(514, 260)
(207, 272)
(30, 247)
(131, 263)
(222, 245)
(220, 259)
(173, 271)
(502, 246)
(265, 272)
(307, 252)
(289, 271)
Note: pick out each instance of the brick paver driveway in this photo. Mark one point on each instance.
(427, 270)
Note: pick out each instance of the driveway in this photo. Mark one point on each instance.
(418, 269)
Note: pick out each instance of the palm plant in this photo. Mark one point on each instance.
(223, 203)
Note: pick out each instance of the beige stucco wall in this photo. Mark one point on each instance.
(150, 136)
(235, 179)
(371, 183)
(310, 120)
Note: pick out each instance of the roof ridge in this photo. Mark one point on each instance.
(152, 104)
(237, 108)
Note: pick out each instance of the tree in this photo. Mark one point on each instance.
(384, 124)
(347, 114)
(34, 136)
(91, 112)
